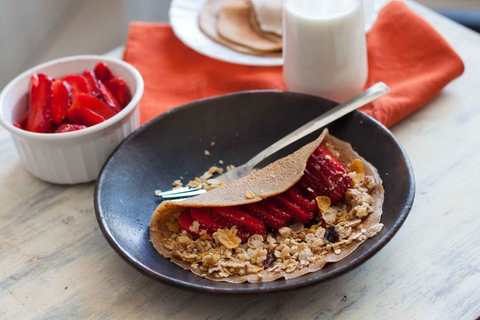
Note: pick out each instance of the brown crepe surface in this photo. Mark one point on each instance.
(287, 172)
(208, 23)
(234, 24)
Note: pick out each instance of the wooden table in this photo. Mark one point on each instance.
(55, 263)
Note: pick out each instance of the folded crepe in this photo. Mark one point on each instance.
(289, 252)
(207, 21)
(269, 15)
(229, 22)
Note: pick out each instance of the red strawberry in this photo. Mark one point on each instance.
(323, 156)
(78, 83)
(92, 83)
(68, 127)
(295, 196)
(61, 99)
(90, 102)
(21, 121)
(18, 124)
(277, 211)
(39, 111)
(108, 97)
(262, 213)
(204, 218)
(84, 112)
(103, 72)
(84, 116)
(120, 91)
(185, 220)
(100, 91)
(236, 217)
(327, 175)
(311, 184)
(298, 213)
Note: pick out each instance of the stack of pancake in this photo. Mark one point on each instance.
(248, 26)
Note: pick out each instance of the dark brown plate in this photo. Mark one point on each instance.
(241, 125)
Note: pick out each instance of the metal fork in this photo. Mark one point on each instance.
(374, 92)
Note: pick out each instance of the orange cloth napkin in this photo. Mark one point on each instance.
(403, 50)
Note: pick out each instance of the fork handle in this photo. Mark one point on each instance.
(377, 90)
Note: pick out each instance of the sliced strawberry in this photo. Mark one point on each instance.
(322, 152)
(204, 218)
(100, 91)
(262, 213)
(185, 220)
(92, 83)
(295, 196)
(324, 175)
(108, 97)
(82, 113)
(120, 91)
(68, 127)
(310, 184)
(39, 113)
(85, 116)
(327, 175)
(237, 217)
(298, 213)
(277, 210)
(61, 99)
(319, 182)
(78, 83)
(18, 124)
(304, 186)
(103, 72)
(87, 101)
(21, 121)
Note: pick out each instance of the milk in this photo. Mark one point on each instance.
(324, 47)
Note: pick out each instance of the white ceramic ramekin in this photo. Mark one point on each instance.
(71, 157)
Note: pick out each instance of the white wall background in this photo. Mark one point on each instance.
(34, 31)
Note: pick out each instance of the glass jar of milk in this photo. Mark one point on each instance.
(325, 47)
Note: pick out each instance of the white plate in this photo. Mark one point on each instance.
(184, 21)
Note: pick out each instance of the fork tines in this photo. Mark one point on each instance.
(179, 192)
